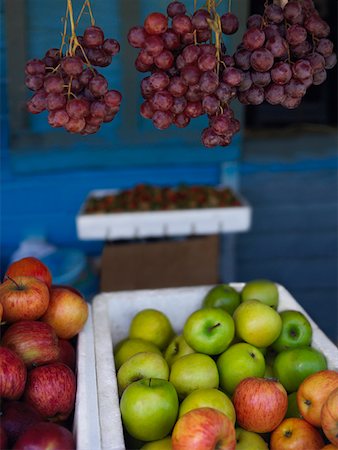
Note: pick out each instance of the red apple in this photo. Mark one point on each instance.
(23, 298)
(329, 417)
(70, 288)
(296, 434)
(67, 353)
(30, 267)
(313, 392)
(16, 417)
(204, 429)
(51, 390)
(13, 374)
(35, 342)
(67, 312)
(46, 435)
(260, 404)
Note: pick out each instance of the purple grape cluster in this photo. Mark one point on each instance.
(189, 76)
(282, 53)
(73, 92)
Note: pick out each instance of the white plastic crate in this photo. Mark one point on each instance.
(133, 225)
(86, 427)
(112, 313)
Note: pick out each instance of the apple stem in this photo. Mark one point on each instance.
(149, 381)
(214, 326)
(16, 284)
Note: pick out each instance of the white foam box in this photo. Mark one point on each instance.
(112, 313)
(134, 225)
(86, 429)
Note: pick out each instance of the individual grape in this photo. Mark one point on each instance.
(277, 46)
(221, 124)
(86, 75)
(98, 57)
(228, 60)
(316, 26)
(324, 47)
(193, 109)
(98, 85)
(177, 87)
(253, 39)
(75, 125)
(53, 83)
(246, 82)
(255, 95)
(209, 82)
(145, 58)
(112, 98)
(274, 13)
(272, 30)
(274, 94)
(181, 120)
(295, 88)
(111, 46)
(72, 65)
(162, 119)
(190, 74)
(141, 67)
(187, 38)
(293, 12)
(211, 104)
(208, 49)
(194, 93)
(175, 8)
(35, 67)
(210, 138)
(156, 23)
(301, 50)
(229, 23)
(90, 129)
(203, 35)
(191, 53)
(162, 101)
(154, 45)
(171, 40)
(34, 82)
(242, 58)
(77, 108)
(159, 81)
(180, 62)
(225, 93)
(261, 79)
(146, 110)
(164, 60)
(137, 37)
(199, 20)
(317, 62)
(331, 61)
(254, 21)
(206, 62)
(55, 101)
(181, 24)
(52, 57)
(261, 60)
(302, 69)
(179, 105)
(232, 76)
(291, 102)
(281, 73)
(93, 37)
(58, 118)
(38, 102)
(319, 77)
(296, 34)
(97, 109)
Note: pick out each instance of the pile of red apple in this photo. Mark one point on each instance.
(39, 325)
(240, 375)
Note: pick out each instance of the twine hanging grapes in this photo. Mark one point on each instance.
(66, 82)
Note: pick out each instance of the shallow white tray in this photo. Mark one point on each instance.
(86, 427)
(112, 313)
(133, 225)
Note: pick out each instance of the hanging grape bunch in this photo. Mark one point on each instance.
(66, 83)
(282, 53)
(188, 66)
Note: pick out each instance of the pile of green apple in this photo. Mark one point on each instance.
(239, 375)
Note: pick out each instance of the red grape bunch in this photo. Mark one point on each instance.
(188, 74)
(282, 53)
(67, 85)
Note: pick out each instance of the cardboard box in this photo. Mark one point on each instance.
(112, 313)
(160, 263)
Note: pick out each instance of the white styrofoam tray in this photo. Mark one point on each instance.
(112, 313)
(133, 225)
(86, 429)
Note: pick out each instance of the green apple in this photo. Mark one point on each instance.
(149, 409)
(212, 398)
(265, 291)
(238, 362)
(129, 347)
(292, 366)
(142, 365)
(296, 331)
(177, 348)
(248, 440)
(222, 296)
(293, 410)
(152, 325)
(162, 444)
(257, 323)
(194, 371)
(209, 330)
